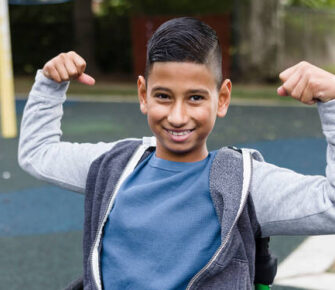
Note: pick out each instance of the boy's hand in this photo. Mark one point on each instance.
(67, 66)
(307, 83)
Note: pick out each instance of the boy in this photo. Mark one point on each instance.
(163, 212)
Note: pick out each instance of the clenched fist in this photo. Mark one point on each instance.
(307, 83)
(67, 66)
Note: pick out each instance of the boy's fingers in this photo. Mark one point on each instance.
(46, 72)
(86, 79)
(71, 69)
(299, 92)
(290, 84)
(80, 65)
(284, 75)
(53, 74)
(307, 83)
(50, 72)
(282, 92)
(79, 62)
(67, 66)
(307, 96)
(64, 75)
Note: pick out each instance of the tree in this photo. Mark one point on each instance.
(259, 33)
(84, 32)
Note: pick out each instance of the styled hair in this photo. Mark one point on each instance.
(185, 39)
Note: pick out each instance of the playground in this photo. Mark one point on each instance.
(41, 225)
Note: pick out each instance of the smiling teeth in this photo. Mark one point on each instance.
(179, 133)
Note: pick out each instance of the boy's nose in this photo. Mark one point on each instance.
(177, 116)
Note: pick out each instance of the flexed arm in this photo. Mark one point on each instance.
(41, 153)
(288, 203)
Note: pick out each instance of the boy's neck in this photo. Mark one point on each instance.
(193, 156)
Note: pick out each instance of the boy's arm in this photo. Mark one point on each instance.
(287, 202)
(40, 151)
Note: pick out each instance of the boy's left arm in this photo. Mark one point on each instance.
(288, 203)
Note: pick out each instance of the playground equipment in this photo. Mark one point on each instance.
(7, 103)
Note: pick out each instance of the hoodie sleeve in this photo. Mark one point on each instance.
(41, 153)
(288, 203)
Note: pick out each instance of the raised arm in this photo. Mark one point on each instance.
(41, 153)
(287, 202)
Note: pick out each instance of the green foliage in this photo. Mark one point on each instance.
(113, 47)
(115, 7)
(38, 33)
(171, 7)
(315, 4)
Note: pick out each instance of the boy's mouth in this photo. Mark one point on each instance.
(179, 135)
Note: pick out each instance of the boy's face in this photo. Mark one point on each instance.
(181, 101)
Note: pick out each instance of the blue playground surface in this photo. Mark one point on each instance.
(41, 224)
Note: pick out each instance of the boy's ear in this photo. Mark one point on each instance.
(224, 98)
(142, 94)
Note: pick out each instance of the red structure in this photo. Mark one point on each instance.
(143, 27)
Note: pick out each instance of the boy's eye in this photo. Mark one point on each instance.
(162, 96)
(196, 98)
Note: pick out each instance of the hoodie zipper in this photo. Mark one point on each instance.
(246, 165)
(128, 170)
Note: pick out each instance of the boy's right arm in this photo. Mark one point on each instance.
(41, 153)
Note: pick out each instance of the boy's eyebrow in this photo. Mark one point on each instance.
(192, 91)
(161, 89)
(198, 91)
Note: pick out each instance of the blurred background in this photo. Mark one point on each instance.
(41, 225)
(259, 38)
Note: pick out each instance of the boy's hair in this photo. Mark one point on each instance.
(185, 39)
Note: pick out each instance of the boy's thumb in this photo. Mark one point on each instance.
(86, 79)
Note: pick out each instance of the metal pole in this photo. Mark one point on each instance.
(7, 103)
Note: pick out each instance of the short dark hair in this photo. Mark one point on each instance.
(185, 39)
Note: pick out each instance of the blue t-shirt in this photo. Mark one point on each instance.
(163, 227)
